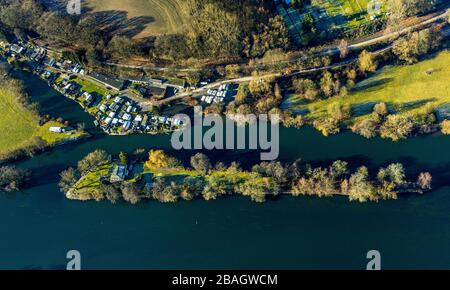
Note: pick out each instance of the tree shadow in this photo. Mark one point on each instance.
(354, 162)
(408, 106)
(372, 85)
(115, 22)
(356, 16)
(443, 112)
(363, 108)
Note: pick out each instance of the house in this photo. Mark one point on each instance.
(138, 119)
(56, 129)
(162, 119)
(118, 100)
(87, 96)
(127, 125)
(109, 81)
(114, 107)
(156, 91)
(17, 49)
(50, 62)
(119, 173)
(127, 117)
(108, 121)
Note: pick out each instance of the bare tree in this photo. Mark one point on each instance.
(424, 180)
(343, 48)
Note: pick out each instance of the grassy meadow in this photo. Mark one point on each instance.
(345, 13)
(19, 126)
(159, 16)
(406, 89)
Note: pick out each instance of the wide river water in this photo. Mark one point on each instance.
(39, 225)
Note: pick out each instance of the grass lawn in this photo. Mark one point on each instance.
(19, 126)
(150, 17)
(92, 179)
(403, 88)
(88, 186)
(92, 88)
(345, 13)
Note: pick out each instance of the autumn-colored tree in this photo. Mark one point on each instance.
(396, 127)
(360, 187)
(445, 127)
(367, 62)
(306, 88)
(201, 162)
(326, 84)
(159, 159)
(338, 112)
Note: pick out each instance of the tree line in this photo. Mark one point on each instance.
(266, 180)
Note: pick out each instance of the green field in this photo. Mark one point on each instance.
(19, 126)
(345, 13)
(157, 16)
(88, 186)
(403, 88)
(340, 14)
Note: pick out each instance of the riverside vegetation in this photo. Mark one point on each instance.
(12, 178)
(165, 179)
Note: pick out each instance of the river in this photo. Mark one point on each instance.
(39, 225)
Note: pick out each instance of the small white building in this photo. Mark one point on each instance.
(127, 125)
(126, 117)
(56, 129)
(17, 48)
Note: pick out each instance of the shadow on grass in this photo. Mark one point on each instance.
(363, 108)
(116, 22)
(372, 85)
(409, 106)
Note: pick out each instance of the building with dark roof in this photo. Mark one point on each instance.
(110, 81)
